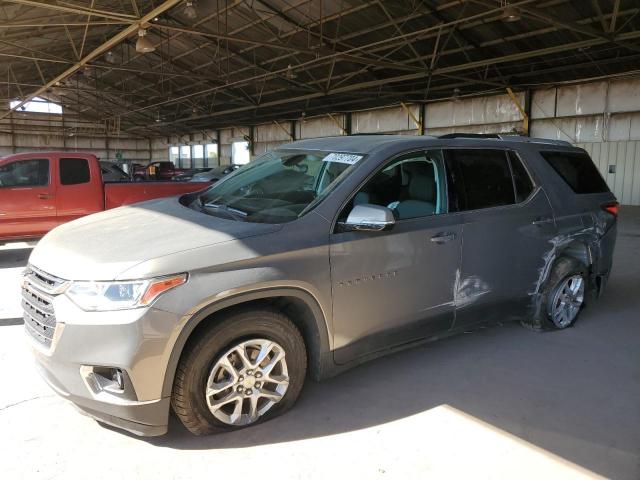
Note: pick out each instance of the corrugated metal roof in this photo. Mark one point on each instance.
(247, 61)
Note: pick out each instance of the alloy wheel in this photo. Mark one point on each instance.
(567, 301)
(247, 381)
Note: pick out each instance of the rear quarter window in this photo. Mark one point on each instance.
(577, 170)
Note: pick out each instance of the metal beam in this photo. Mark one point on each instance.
(78, 10)
(59, 24)
(525, 117)
(338, 124)
(614, 16)
(111, 67)
(492, 42)
(326, 58)
(416, 120)
(535, 13)
(163, 7)
(416, 76)
(86, 29)
(231, 38)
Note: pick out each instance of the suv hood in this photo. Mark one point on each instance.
(106, 244)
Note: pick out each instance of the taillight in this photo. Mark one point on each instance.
(611, 207)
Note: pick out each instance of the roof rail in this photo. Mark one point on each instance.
(507, 137)
(471, 135)
(367, 134)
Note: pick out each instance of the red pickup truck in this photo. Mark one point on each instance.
(157, 171)
(39, 191)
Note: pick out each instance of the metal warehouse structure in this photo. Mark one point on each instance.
(138, 78)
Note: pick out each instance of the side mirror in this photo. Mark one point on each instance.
(369, 218)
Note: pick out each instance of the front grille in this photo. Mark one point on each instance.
(42, 280)
(38, 291)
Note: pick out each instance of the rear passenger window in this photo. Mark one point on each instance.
(521, 179)
(74, 171)
(577, 170)
(478, 179)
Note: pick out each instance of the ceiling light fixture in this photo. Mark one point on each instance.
(290, 73)
(510, 13)
(143, 45)
(190, 10)
(110, 57)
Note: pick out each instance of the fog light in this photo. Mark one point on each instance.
(100, 379)
(118, 378)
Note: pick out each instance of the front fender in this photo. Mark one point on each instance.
(318, 349)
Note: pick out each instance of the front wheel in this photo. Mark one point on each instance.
(246, 369)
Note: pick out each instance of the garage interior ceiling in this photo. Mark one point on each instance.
(242, 62)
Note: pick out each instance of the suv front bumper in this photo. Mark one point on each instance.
(136, 342)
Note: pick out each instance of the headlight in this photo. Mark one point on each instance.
(104, 296)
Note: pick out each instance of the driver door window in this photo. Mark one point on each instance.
(25, 173)
(412, 186)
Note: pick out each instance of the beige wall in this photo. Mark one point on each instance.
(28, 132)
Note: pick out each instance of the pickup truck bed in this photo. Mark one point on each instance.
(39, 191)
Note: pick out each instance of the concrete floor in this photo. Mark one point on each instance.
(501, 402)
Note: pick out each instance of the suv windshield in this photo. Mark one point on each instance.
(278, 187)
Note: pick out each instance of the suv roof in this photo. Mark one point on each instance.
(366, 143)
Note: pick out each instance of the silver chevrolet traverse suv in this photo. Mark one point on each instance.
(315, 257)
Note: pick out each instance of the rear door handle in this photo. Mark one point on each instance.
(441, 238)
(542, 221)
(45, 196)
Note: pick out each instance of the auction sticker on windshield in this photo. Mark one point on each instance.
(347, 158)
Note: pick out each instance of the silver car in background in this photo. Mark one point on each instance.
(215, 174)
(312, 259)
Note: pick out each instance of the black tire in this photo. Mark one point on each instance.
(188, 399)
(563, 268)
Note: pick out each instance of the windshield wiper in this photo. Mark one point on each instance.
(235, 213)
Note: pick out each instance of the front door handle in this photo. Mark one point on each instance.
(441, 238)
(45, 196)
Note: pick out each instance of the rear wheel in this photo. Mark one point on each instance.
(567, 301)
(563, 295)
(246, 369)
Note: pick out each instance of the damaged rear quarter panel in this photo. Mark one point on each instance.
(582, 231)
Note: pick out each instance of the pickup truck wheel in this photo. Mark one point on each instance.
(563, 295)
(246, 369)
